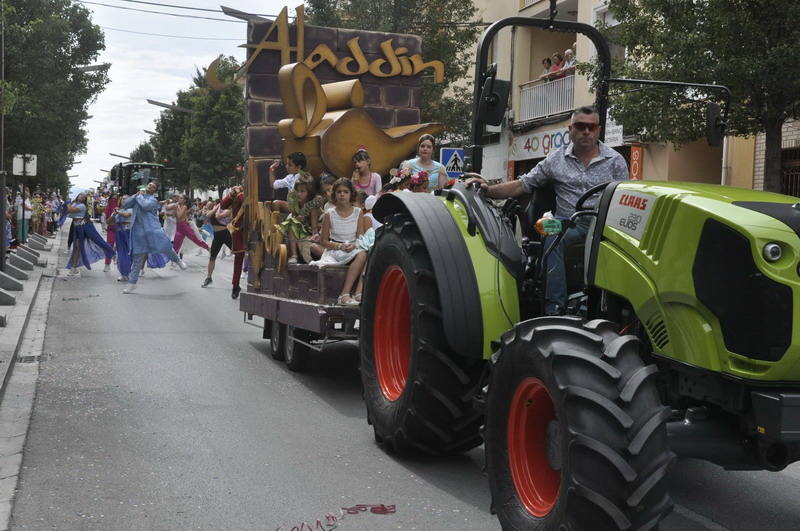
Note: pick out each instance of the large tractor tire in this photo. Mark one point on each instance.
(575, 433)
(419, 394)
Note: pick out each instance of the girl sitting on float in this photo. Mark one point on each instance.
(341, 228)
(437, 176)
(364, 179)
(305, 206)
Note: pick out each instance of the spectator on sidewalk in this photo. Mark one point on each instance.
(24, 212)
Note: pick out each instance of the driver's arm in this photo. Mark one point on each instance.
(503, 190)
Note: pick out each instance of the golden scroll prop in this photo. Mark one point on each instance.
(328, 124)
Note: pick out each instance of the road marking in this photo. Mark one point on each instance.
(698, 518)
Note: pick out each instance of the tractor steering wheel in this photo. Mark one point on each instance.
(589, 193)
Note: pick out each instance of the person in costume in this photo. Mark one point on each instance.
(234, 201)
(111, 225)
(147, 236)
(122, 220)
(87, 246)
(185, 227)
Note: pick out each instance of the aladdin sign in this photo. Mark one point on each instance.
(394, 61)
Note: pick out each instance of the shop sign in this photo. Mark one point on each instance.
(539, 144)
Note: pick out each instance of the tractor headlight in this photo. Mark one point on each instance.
(772, 252)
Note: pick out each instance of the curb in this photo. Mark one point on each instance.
(14, 330)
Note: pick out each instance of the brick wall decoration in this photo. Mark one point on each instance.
(390, 101)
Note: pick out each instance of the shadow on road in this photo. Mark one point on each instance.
(458, 475)
(332, 375)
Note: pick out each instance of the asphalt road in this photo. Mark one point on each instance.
(162, 410)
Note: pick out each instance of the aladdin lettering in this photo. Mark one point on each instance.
(394, 62)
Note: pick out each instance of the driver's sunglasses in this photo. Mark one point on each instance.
(583, 126)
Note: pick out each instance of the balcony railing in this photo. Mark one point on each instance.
(540, 99)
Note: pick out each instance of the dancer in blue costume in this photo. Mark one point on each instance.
(147, 236)
(87, 245)
(123, 218)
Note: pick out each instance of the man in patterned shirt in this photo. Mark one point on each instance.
(571, 170)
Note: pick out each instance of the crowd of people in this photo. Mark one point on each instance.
(142, 232)
(30, 213)
(558, 66)
(329, 219)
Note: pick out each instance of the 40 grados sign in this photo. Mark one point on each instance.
(539, 144)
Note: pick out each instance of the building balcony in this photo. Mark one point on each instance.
(543, 99)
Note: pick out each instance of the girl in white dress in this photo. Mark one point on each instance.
(341, 227)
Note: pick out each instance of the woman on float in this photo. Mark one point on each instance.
(437, 176)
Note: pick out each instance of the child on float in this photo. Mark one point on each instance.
(364, 179)
(305, 206)
(326, 181)
(341, 227)
(295, 163)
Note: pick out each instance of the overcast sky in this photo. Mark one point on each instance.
(152, 67)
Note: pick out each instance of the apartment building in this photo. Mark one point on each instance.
(537, 121)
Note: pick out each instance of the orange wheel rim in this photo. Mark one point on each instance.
(535, 481)
(392, 333)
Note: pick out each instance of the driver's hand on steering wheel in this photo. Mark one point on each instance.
(477, 181)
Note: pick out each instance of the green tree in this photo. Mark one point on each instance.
(447, 33)
(752, 47)
(143, 153)
(205, 146)
(46, 94)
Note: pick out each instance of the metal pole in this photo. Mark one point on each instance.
(3, 197)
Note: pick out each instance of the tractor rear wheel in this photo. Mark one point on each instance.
(277, 341)
(575, 432)
(418, 392)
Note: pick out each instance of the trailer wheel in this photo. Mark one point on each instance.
(297, 354)
(277, 341)
(418, 392)
(575, 432)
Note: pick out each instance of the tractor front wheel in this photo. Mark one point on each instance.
(418, 392)
(575, 432)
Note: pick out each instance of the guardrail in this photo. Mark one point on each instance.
(540, 99)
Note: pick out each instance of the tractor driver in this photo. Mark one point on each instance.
(572, 170)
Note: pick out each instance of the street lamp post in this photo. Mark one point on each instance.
(177, 108)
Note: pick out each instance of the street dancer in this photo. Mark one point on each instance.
(87, 245)
(235, 202)
(122, 218)
(147, 236)
(184, 228)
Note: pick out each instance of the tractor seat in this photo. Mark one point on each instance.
(540, 201)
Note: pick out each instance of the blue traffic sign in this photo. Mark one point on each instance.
(453, 160)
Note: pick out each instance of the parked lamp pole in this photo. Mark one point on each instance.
(120, 156)
(177, 108)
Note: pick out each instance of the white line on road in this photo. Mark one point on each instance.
(698, 518)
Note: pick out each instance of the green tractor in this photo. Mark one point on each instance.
(680, 340)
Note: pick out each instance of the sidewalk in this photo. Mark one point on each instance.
(15, 317)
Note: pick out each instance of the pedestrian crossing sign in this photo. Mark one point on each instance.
(453, 160)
